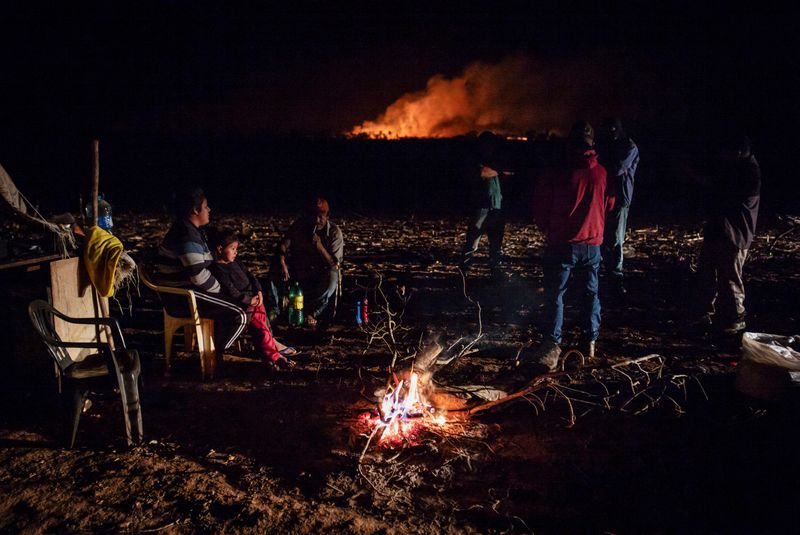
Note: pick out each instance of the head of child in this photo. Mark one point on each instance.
(225, 245)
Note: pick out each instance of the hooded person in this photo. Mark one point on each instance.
(732, 199)
(620, 156)
(310, 253)
(569, 205)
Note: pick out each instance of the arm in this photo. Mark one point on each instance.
(196, 259)
(625, 161)
(281, 251)
(610, 198)
(258, 294)
(326, 255)
(229, 291)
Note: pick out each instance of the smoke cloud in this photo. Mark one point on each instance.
(513, 96)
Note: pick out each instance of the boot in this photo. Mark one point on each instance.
(544, 359)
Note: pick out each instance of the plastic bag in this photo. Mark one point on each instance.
(772, 350)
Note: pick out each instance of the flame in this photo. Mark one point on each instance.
(511, 97)
(481, 98)
(404, 412)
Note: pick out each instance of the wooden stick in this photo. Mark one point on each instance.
(95, 178)
(536, 384)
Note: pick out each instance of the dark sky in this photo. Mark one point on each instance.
(215, 67)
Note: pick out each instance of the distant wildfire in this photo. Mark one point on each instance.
(511, 97)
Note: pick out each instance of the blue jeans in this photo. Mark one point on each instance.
(614, 239)
(559, 262)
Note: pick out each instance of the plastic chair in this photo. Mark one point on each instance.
(193, 326)
(77, 375)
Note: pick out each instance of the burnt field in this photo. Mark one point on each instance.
(652, 437)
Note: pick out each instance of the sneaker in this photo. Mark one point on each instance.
(588, 349)
(545, 358)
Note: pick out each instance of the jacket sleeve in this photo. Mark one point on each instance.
(337, 246)
(626, 162)
(228, 289)
(196, 259)
(254, 284)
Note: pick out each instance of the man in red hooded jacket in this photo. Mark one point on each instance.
(569, 206)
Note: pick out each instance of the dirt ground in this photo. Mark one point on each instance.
(662, 444)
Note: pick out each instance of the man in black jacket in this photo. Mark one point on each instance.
(733, 195)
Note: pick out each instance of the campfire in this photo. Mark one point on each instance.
(404, 414)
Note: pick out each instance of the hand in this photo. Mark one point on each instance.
(317, 242)
(487, 172)
(260, 298)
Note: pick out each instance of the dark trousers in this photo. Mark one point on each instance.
(719, 287)
(492, 223)
(560, 262)
(229, 319)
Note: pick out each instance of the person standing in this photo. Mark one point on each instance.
(486, 200)
(569, 205)
(733, 196)
(620, 156)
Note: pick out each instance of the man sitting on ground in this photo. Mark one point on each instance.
(309, 253)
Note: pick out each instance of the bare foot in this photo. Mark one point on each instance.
(311, 321)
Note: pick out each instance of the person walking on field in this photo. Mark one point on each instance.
(486, 200)
(569, 205)
(620, 157)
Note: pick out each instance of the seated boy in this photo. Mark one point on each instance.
(309, 253)
(242, 288)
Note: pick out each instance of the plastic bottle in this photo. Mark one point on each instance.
(359, 321)
(296, 315)
(104, 214)
(365, 311)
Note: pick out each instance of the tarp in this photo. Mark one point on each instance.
(9, 192)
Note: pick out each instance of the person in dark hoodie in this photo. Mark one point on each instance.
(620, 156)
(486, 200)
(569, 205)
(733, 196)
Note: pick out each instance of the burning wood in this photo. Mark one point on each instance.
(404, 410)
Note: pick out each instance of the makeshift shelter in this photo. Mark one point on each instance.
(17, 207)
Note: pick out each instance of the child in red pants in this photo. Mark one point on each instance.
(240, 287)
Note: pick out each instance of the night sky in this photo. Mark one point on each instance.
(318, 69)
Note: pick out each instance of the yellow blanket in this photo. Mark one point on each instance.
(100, 257)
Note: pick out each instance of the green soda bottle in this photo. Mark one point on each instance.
(296, 315)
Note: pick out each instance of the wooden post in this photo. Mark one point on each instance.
(95, 179)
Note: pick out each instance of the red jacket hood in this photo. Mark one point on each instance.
(586, 160)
